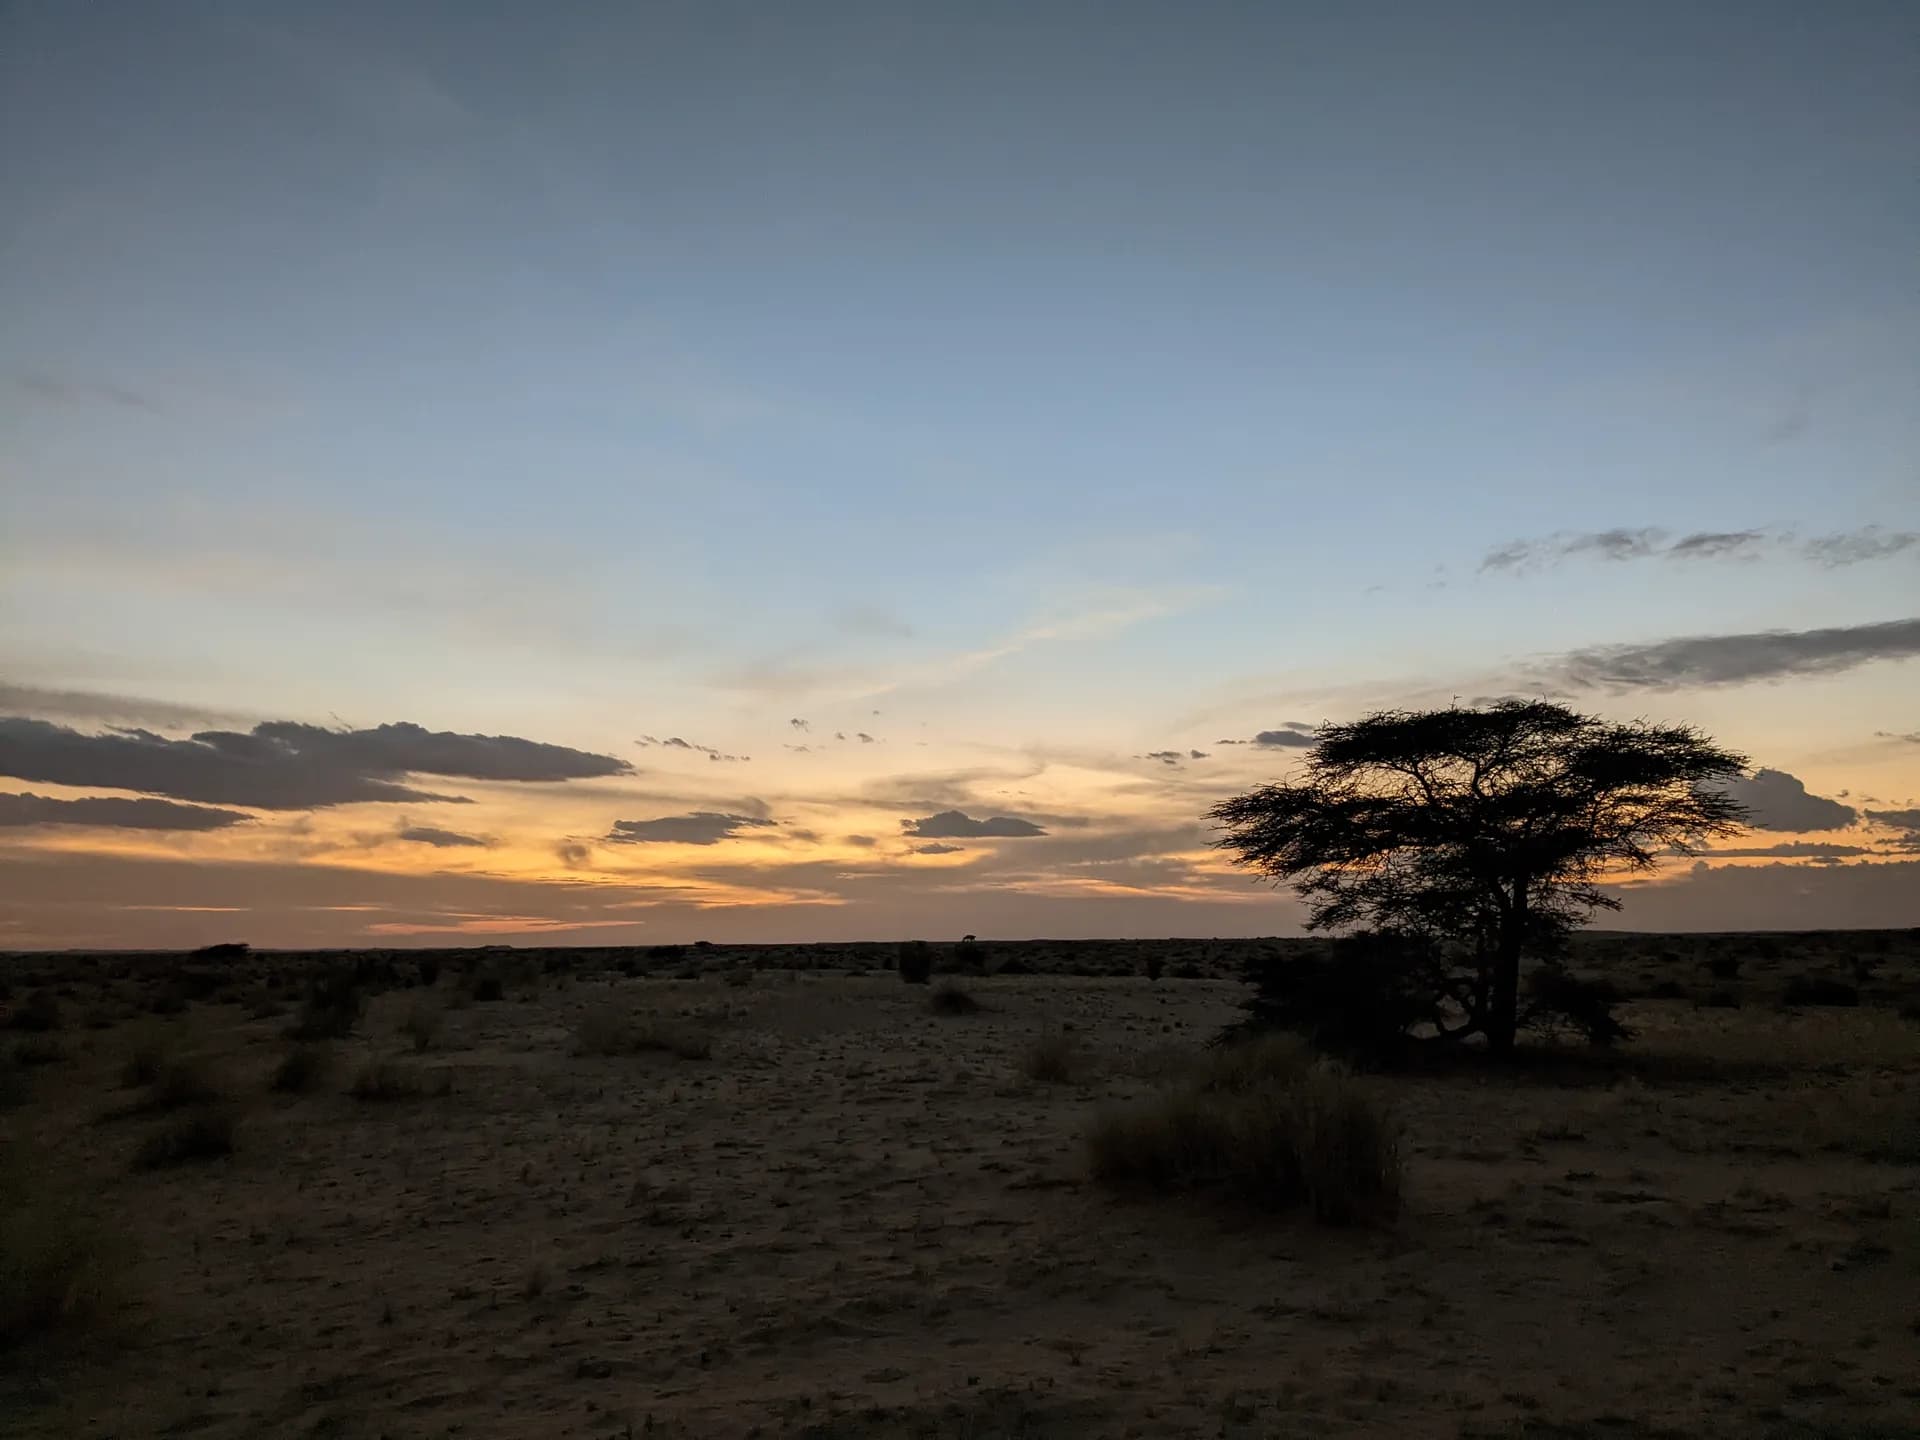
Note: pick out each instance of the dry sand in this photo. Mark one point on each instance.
(857, 1218)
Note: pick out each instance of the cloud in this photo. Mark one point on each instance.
(938, 849)
(1165, 757)
(700, 827)
(285, 765)
(1898, 819)
(1715, 544)
(1702, 660)
(102, 708)
(1788, 849)
(674, 742)
(573, 854)
(68, 390)
(442, 839)
(872, 622)
(1196, 754)
(863, 737)
(1912, 739)
(957, 825)
(113, 812)
(1776, 800)
(1854, 547)
(1293, 735)
(861, 842)
(1850, 547)
(799, 724)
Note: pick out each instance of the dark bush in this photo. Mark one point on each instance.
(1562, 1000)
(194, 1135)
(1355, 1000)
(950, 999)
(37, 1014)
(1668, 990)
(1156, 964)
(429, 971)
(226, 950)
(1723, 967)
(300, 1069)
(388, 1080)
(57, 1267)
(1051, 1060)
(488, 988)
(1818, 990)
(916, 962)
(1721, 998)
(331, 1008)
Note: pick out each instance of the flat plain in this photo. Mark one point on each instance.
(774, 1191)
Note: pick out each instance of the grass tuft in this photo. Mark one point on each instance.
(606, 1032)
(205, 1134)
(388, 1080)
(949, 999)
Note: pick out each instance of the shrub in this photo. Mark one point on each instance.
(1818, 990)
(38, 1014)
(916, 962)
(204, 1134)
(1317, 1140)
(1721, 997)
(1156, 964)
(56, 1264)
(421, 1024)
(1910, 1010)
(1358, 1000)
(1052, 1059)
(1723, 967)
(1668, 990)
(1256, 1061)
(226, 950)
(331, 1008)
(300, 1069)
(180, 1083)
(605, 1032)
(429, 971)
(39, 1050)
(488, 988)
(385, 1080)
(950, 999)
(970, 957)
(1562, 1000)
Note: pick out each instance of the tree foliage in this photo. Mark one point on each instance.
(1463, 841)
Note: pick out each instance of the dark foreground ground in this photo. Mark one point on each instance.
(805, 1203)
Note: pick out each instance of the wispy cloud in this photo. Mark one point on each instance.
(701, 827)
(74, 390)
(440, 839)
(956, 824)
(1850, 547)
(1710, 660)
(675, 742)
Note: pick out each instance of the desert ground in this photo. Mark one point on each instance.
(798, 1199)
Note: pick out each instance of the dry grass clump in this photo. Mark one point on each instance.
(1274, 1132)
(1052, 1059)
(388, 1080)
(949, 999)
(330, 1009)
(56, 1265)
(146, 1058)
(607, 1032)
(421, 1024)
(199, 1134)
(300, 1069)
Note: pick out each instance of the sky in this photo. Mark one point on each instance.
(630, 473)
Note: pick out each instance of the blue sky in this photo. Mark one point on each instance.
(1064, 382)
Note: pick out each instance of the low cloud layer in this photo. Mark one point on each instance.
(1707, 660)
(1849, 547)
(1776, 800)
(113, 812)
(957, 825)
(1789, 850)
(701, 827)
(1898, 819)
(284, 765)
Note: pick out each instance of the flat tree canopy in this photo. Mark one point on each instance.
(1474, 838)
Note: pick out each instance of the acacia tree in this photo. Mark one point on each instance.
(1479, 837)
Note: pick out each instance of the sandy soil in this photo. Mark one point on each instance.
(857, 1218)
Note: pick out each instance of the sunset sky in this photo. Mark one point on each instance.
(619, 473)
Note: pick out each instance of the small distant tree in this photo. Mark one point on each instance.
(1456, 844)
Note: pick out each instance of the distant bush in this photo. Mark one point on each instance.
(388, 1080)
(56, 1265)
(970, 957)
(1668, 990)
(607, 1032)
(1156, 964)
(950, 999)
(300, 1069)
(331, 1008)
(180, 1083)
(37, 1014)
(1561, 1000)
(1910, 1010)
(1314, 1140)
(1721, 998)
(916, 962)
(1818, 990)
(487, 988)
(429, 971)
(1052, 1059)
(204, 1134)
(226, 950)
(1723, 967)
(39, 1050)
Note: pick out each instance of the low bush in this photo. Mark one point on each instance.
(916, 962)
(1052, 1059)
(421, 1024)
(487, 988)
(1818, 990)
(950, 999)
(331, 1009)
(300, 1069)
(56, 1265)
(38, 1014)
(200, 1134)
(607, 1032)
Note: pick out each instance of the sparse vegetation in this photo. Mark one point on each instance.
(299, 1070)
(949, 999)
(182, 1082)
(38, 1014)
(421, 1024)
(187, 1137)
(608, 1032)
(1052, 1059)
(487, 987)
(57, 1264)
(1818, 990)
(1271, 1135)
(39, 1050)
(384, 1080)
(331, 1008)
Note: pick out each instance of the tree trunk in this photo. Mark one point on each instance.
(1504, 1010)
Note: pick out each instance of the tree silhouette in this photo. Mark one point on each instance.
(1462, 841)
